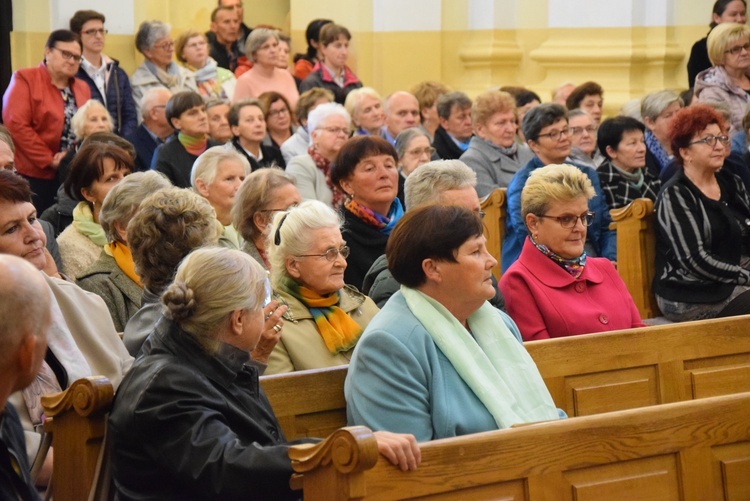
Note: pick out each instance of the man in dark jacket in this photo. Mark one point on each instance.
(155, 128)
(223, 45)
(23, 343)
(108, 82)
(455, 130)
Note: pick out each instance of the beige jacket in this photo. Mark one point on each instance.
(91, 327)
(301, 347)
(77, 251)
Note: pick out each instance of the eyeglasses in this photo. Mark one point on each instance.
(422, 151)
(165, 45)
(196, 44)
(336, 130)
(736, 50)
(331, 254)
(591, 129)
(568, 222)
(711, 140)
(95, 31)
(481, 214)
(274, 113)
(555, 135)
(68, 56)
(279, 210)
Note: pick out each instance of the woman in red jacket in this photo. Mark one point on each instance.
(37, 109)
(554, 289)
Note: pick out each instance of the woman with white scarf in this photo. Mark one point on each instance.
(438, 360)
(191, 50)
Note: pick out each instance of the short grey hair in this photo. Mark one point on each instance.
(78, 122)
(632, 109)
(256, 39)
(446, 102)
(653, 104)
(148, 33)
(405, 137)
(149, 99)
(429, 181)
(122, 201)
(578, 112)
(295, 234)
(206, 165)
(540, 117)
(320, 114)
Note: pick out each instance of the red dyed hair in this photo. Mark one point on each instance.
(688, 122)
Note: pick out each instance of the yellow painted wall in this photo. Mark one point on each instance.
(627, 61)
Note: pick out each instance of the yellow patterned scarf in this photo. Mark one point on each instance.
(338, 330)
(124, 259)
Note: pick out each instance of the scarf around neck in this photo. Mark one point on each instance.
(83, 221)
(384, 223)
(573, 266)
(657, 149)
(634, 179)
(489, 359)
(169, 78)
(339, 331)
(124, 259)
(207, 79)
(508, 152)
(324, 165)
(193, 145)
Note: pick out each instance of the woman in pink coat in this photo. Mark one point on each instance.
(555, 289)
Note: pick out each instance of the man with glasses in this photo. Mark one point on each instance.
(547, 133)
(154, 130)
(108, 82)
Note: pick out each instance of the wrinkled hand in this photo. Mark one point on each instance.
(270, 335)
(400, 449)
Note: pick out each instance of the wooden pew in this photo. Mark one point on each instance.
(585, 375)
(636, 252)
(494, 207)
(690, 450)
(76, 419)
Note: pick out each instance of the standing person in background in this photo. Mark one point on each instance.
(304, 63)
(455, 130)
(154, 41)
(244, 29)
(724, 11)
(262, 48)
(212, 80)
(108, 82)
(427, 94)
(225, 31)
(38, 107)
(154, 129)
(331, 71)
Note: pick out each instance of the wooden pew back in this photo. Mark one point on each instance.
(636, 252)
(689, 450)
(494, 207)
(77, 418)
(585, 375)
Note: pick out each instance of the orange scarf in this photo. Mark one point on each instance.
(124, 259)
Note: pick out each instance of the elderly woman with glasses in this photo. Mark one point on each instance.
(728, 80)
(325, 318)
(212, 80)
(414, 149)
(154, 41)
(37, 109)
(555, 289)
(548, 134)
(703, 225)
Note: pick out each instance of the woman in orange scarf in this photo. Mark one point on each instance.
(325, 317)
(113, 275)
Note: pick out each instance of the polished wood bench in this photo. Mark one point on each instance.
(494, 207)
(689, 450)
(585, 375)
(636, 252)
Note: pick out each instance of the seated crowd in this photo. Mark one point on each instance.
(209, 220)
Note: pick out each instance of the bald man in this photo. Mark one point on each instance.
(24, 320)
(401, 112)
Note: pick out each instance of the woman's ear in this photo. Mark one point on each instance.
(88, 196)
(201, 187)
(346, 187)
(260, 220)
(235, 322)
(612, 153)
(292, 267)
(532, 223)
(431, 269)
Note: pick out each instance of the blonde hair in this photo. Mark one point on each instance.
(296, 234)
(354, 101)
(254, 195)
(78, 122)
(556, 182)
(209, 285)
(491, 102)
(721, 37)
(181, 42)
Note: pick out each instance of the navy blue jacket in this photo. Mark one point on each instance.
(145, 146)
(120, 102)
